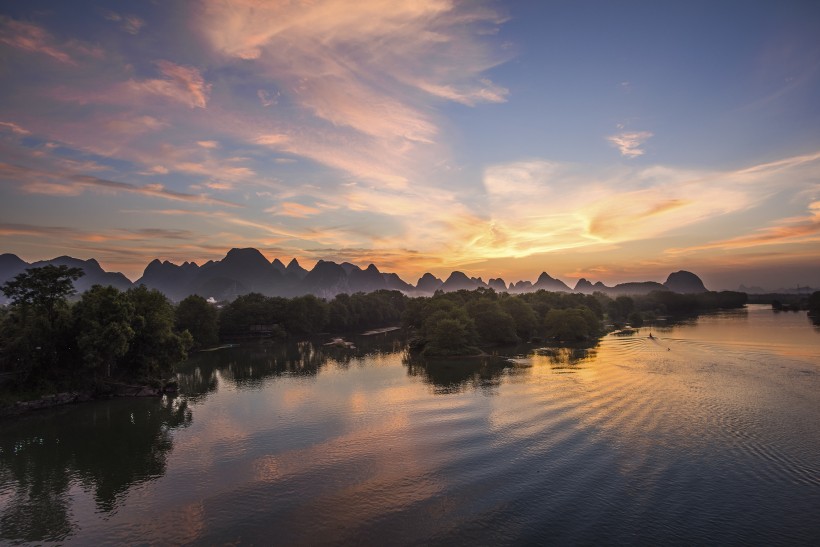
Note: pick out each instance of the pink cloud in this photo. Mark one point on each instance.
(30, 37)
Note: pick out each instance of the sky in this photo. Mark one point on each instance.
(612, 140)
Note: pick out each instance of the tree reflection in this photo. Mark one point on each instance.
(457, 375)
(249, 365)
(567, 359)
(106, 448)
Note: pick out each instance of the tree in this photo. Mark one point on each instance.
(35, 338)
(814, 304)
(44, 289)
(571, 325)
(198, 317)
(155, 348)
(103, 317)
(526, 322)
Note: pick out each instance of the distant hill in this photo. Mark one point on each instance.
(548, 283)
(428, 283)
(11, 265)
(684, 282)
(245, 270)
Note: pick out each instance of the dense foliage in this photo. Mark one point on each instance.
(138, 334)
(46, 343)
(456, 323)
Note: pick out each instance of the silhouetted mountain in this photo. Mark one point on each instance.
(325, 280)
(458, 281)
(94, 274)
(249, 270)
(498, 285)
(428, 283)
(395, 283)
(367, 280)
(684, 282)
(584, 286)
(10, 266)
(172, 280)
(551, 284)
(521, 286)
(296, 271)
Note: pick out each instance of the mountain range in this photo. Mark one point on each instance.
(247, 270)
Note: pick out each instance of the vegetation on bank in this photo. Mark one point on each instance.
(47, 344)
(138, 335)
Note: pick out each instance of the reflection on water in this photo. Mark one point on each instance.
(456, 375)
(566, 359)
(104, 449)
(704, 433)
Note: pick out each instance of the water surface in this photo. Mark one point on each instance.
(705, 433)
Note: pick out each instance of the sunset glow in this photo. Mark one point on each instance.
(596, 140)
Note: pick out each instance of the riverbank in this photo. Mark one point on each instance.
(15, 405)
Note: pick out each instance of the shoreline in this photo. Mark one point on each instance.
(63, 398)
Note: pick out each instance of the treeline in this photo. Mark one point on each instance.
(108, 334)
(139, 334)
(637, 309)
(457, 323)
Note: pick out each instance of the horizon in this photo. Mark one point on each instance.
(616, 144)
(570, 282)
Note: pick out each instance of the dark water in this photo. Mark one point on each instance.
(708, 433)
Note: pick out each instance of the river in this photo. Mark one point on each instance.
(708, 432)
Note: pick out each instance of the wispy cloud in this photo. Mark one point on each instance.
(369, 73)
(32, 38)
(129, 23)
(184, 84)
(38, 181)
(791, 230)
(629, 143)
(14, 128)
(292, 209)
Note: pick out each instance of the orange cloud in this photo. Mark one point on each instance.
(804, 229)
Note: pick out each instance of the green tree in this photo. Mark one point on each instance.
(103, 317)
(198, 317)
(450, 336)
(155, 348)
(571, 325)
(493, 324)
(36, 336)
(524, 317)
(43, 289)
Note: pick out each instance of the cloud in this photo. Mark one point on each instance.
(801, 229)
(129, 23)
(208, 144)
(295, 210)
(38, 181)
(183, 84)
(629, 143)
(369, 74)
(266, 98)
(551, 207)
(14, 128)
(31, 38)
